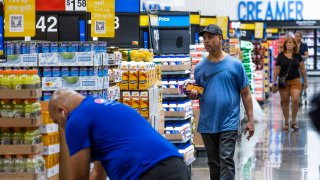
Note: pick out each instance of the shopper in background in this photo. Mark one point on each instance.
(303, 47)
(115, 135)
(224, 80)
(288, 64)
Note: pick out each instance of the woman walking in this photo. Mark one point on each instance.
(289, 62)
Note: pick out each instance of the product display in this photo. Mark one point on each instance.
(247, 48)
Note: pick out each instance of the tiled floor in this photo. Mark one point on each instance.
(274, 154)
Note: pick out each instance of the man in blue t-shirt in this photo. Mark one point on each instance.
(224, 80)
(115, 135)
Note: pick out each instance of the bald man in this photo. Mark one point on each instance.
(115, 135)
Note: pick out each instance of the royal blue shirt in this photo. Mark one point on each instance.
(220, 103)
(118, 136)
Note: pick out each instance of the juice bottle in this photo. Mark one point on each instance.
(1, 164)
(12, 77)
(18, 109)
(35, 78)
(17, 136)
(5, 81)
(6, 136)
(16, 81)
(1, 76)
(28, 80)
(40, 164)
(30, 164)
(32, 108)
(6, 108)
(24, 78)
(19, 164)
(8, 164)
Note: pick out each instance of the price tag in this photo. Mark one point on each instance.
(69, 5)
(81, 5)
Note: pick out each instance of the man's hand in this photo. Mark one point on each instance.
(194, 95)
(305, 86)
(275, 89)
(250, 129)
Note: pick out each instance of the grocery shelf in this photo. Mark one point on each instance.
(51, 172)
(49, 128)
(174, 96)
(20, 93)
(176, 72)
(24, 149)
(20, 122)
(52, 149)
(177, 118)
(16, 176)
(190, 161)
(181, 141)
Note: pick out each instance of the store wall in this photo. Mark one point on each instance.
(255, 9)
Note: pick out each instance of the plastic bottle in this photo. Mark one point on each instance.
(12, 78)
(5, 82)
(28, 136)
(35, 78)
(17, 79)
(6, 136)
(1, 76)
(8, 164)
(17, 136)
(27, 80)
(18, 109)
(6, 109)
(24, 79)
(40, 164)
(32, 108)
(30, 164)
(1, 164)
(19, 164)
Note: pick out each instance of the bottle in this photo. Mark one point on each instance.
(8, 164)
(35, 78)
(40, 164)
(27, 80)
(19, 164)
(6, 136)
(1, 76)
(18, 109)
(1, 164)
(5, 81)
(17, 79)
(32, 108)
(28, 136)
(30, 164)
(12, 78)
(24, 79)
(17, 136)
(6, 108)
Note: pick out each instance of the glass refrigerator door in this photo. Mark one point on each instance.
(318, 50)
(309, 39)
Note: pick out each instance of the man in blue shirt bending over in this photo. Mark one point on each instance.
(115, 135)
(224, 80)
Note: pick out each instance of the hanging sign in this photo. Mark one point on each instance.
(223, 23)
(102, 18)
(259, 30)
(20, 18)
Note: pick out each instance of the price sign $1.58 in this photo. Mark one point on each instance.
(78, 5)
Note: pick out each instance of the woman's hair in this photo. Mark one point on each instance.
(295, 49)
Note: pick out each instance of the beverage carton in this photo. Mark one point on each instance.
(144, 104)
(126, 98)
(133, 76)
(135, 100)
(143, 76)
(125, 76)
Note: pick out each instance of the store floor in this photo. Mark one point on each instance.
(274, 154)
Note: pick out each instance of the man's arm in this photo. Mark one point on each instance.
(304, 74)
(248, 105)
(98, 172)
(79, 165)
(306, 55)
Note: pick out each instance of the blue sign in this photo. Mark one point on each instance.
(82, 30)
(1, 34)
(127, 6)
(270, 10)
(175, 21)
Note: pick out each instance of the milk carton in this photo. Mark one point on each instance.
(125, 76)
(126, 98)
(144, 104)
(143, 76)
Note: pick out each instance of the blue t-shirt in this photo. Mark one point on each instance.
(118, 136)
(220, 102)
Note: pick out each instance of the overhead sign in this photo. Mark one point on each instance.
(223, 23)
(165, 5)
(270, 10)
(102, 18)
(52, 5)
(259, 30)
(20, 18)
(174, 20)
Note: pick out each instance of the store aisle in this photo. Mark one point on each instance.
(274, 154)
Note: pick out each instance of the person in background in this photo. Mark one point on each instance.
(288, 64)
(122, 142)
(224, 81)
(303, 50)
(315, 112)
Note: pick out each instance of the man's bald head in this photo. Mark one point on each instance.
(62, 103)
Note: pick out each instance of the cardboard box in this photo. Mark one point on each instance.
(49, 128)
(197, 136)
(133, 76)
(143, 76)
(21, 149)
(69, 59)
(125, 76)
(52, 171)
(135, 101)
(19, 176)
(22, 60)
(170, 91)
(20, 94)
(52, 149)
(174, 137)
(144, 104)
(182, 67)
(181, 114)
(20, 122)
(126, 98)
(75, 83)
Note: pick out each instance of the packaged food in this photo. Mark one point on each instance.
(84, 71)
(54, 47)
(74, 71)
(143, 77)
(135, 102)
(133, 76)
(125, 76)
(56, 72)
(63, 47)
(126, 98)
(47, 72)
(65, 72)
(45, 47)
(144, 104)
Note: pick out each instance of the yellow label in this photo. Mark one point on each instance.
(102, 17)
(258, 32)
(195, 19)
(247, 26)
(223, 23)
(126, 98)
(272, 30)
(20, 18)
(205, 21)
(144, 20)
(133, 77)
(136, 101)
(143, 77)
(125, 76)
(144, 104)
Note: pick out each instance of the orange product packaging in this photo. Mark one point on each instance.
(125, 76)
(143, 76)
(133, 76)
(144, 104)
(135, 100)
(126, 98)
